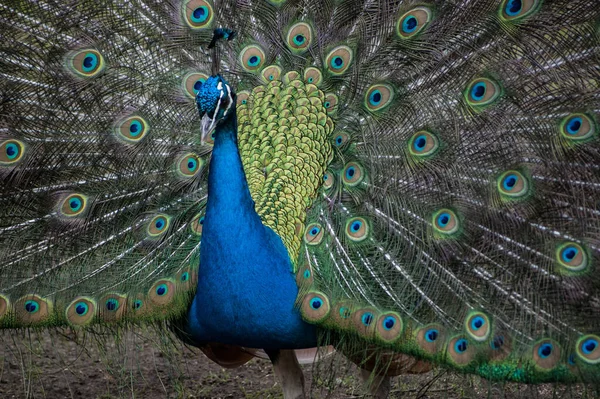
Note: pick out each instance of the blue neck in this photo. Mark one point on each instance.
(229, 196)
(246, 291)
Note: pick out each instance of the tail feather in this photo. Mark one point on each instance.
(457, 220)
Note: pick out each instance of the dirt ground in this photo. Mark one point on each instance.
(51, 365)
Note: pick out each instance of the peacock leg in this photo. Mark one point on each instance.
(289, 373)
(378, 385)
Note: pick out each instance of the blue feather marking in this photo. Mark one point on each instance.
(246, 290)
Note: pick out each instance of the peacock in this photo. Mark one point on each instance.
(400, 179)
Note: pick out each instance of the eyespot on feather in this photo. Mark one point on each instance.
(271, 73)
(481, 93)
(357, 229)
(330, 103)
(340, 139)
(158, 225)
(328, 180)
(313, 234)
(512, 184)
(588, 349)
(445, 222)
(353, 174)
(162, 292)
(189, 165)
(460, 351)
(73, 205)
(341, 314)
(577, 127)
(378, 97)
(11, 152)
(186, 280)
(242, 98)
(304, 276)
(413, 22)
(389, 327)
(252, 58)
(32, 309)
(423, 144)
(572, 257)
(111, 307)
(365, 321)
(196, 224)
(299, 37)
(192, 82)
(85, 63)
(138, 305)
(313, 76)
(546, 354)
(515, 10)
(339, 59)
(81, 311)
(198, 14)
(315, 307)
(132, 129)
(430, 338)
(500, 347)
(478, 326)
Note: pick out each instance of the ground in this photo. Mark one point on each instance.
(51, 365)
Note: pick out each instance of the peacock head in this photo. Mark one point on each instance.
(215, 101)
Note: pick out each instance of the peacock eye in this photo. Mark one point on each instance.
(315, 307)
(111, 305)
(482, 92)
(198, 14)
(353, 174)
(196, 224)
(330, 103)
(572, 257)
(357, 229)
(192, 82)
(85, 63)
(413, 22)
(577, 127)
(546, 354)
(252, 58)
(162, 289)
(313, 234)
(158, 226)
(513, 10)
(378, 97)
(445, 222)
(461, 345)
(431, 335)
(31, 306)
(271, 73)
(423, 144)
(313, 76)
(339, 59)
(132, 129)
(73, 205)
(497, 342)
(299, 37)
(189, 165)
(477, 325)
(512, 184)
(11, 151)
(588, 349)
